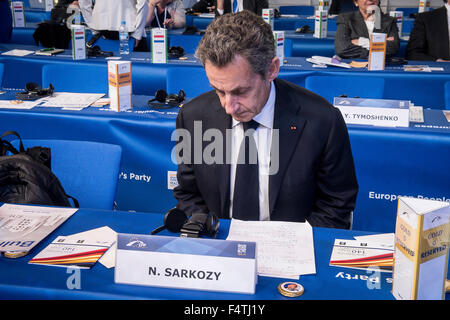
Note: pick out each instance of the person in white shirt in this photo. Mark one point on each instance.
(106, 17)
(354, 30)
(168, 14)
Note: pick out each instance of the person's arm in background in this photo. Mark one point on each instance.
(151, 11)
(86, 10)
(178, 15)
(344, 45)
(393, 40)
(141, 16)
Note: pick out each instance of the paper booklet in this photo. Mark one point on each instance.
(81, 250)
(22, 227)
(365, 255)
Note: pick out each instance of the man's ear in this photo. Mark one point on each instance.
(274, 69)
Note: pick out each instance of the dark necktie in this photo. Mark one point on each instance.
(246, 183)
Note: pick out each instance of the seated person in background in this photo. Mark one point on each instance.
(5, 21)
(429, 39)
(354, 30)
(227, 6)
(204, 6)
(106, 17)
(167, 14)
(340, 6)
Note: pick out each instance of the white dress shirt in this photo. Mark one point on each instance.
(240, 7)
(108, 15)
(263, 139)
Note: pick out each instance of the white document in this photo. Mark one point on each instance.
(17, 53)
(283, 249)
(17, 104)
(380, 238)
(70, 100)
(22, 227)
(328, 61)
(105, 233)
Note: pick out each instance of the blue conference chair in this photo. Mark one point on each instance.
(330, 87)
(2, 68)
(192, 80)
(76, 77)
(306, 10)
(88, 171)
(447, 95)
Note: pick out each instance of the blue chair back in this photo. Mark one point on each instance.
(330, 87)
(447, 95)
(306, 10)
(76, 77)
(2, 68)
(192, 80)
(88, 171)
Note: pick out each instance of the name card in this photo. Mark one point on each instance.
(119, 85)
(78, 42)
(159, 45)
(187, 263)
(398, 15)
(321, 24)
(377, 51)
(424, 5)
(323, 5)
(268, 16)
(18, 14)
(279, 45)
(376, 112)
(48, 5)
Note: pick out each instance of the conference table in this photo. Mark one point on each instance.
(20, 280)
(389, 162)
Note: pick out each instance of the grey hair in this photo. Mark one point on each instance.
(245, 34)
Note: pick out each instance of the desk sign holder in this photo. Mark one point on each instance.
(376, 112)
(321, 24)
(268, 16)
(424, 5)
(186, 263)
(18, 14)
(398, 15)
(323, 5)
(377, 52)
(78, 42)
(422, 236)
(159, 45)
(119, 85)
(279, 45)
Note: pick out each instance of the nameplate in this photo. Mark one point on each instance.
(18, 14)
(186, 263)
(159, 45)
(376, 112)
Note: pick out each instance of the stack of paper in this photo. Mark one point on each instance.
(374, 252)
(283, 249)
(82, 250)
(328, 61)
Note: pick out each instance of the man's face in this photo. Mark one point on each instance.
(363, 4)
(242, 92)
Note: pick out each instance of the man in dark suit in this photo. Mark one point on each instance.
(352, 36)
(304, 165)
(429, 39)
(227, 6)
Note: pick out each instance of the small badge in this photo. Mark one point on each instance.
(291, 289)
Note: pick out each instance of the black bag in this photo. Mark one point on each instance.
(26, 176)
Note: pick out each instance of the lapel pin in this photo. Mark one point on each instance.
(293, 128)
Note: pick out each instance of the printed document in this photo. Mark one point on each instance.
(283, 249)
(22, 227)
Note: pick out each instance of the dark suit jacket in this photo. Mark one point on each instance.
(429, 37)
(351, 26)
(254, 6)
(316, 178)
